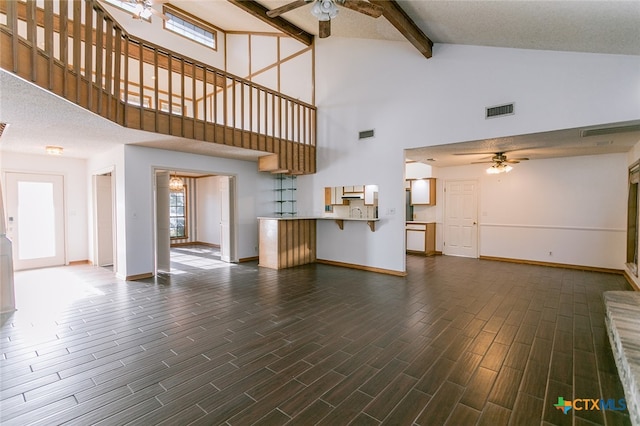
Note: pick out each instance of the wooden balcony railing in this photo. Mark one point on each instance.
(143, 86)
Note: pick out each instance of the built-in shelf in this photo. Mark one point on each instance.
(285, 195)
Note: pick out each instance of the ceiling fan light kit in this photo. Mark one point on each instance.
(499, 168)
(324, 10)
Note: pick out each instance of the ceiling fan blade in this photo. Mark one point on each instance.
(519, 159)
(362, 6)
(286, 8)
(473, 153)
(482, 162)
(511, 161)
(324, 29)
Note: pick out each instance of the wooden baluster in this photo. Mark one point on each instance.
(99, 57)
(181, 96)
(193, 99)
(77, 46)
(64, 45)
(48, 41)
(32, 36)
(156, 94)
(170, 80)
(141, 84)
(108, 76)
(88, 53)
(117, 77)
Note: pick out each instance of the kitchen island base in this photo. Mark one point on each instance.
(287, 242)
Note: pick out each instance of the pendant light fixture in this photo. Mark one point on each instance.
(175, 183)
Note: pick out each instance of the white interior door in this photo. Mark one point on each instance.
(227, 196)
(103, 220)
(35, 219)
(461, 218)
(163, 236)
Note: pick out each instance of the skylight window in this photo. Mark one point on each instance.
(192, 28)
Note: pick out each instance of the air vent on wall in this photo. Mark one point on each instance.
(609, 130)
(499, 110)
(366, 134)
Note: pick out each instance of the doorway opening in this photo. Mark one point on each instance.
(194, 220)
(104, 229)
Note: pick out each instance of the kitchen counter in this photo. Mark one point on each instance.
(291, 241)
(339, 220)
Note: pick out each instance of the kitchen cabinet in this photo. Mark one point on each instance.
(421, 238)
(333, 196)
(423, 192)
(370, 195)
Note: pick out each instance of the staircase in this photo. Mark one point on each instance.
(105, 70)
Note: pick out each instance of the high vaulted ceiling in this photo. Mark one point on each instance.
(578, 26)
(610, 27)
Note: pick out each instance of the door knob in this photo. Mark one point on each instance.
(475, 223)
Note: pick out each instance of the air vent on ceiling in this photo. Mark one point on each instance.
(366, 134)
(609, 130)
(499, 110)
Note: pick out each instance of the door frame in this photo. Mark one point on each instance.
(233, 201)
(114, 224)
(444, 215)
(65, 224)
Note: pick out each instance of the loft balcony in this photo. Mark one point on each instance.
(143, 86)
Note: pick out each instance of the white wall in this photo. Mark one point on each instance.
(154, 32)
(75, 194)
(573, 207)
(411, 102)
(208, 210)
(253, 190)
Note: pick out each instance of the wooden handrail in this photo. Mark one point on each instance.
(141, 85)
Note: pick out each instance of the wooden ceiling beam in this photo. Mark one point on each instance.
(259, 11)
(403, 23)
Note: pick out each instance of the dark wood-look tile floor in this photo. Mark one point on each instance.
(458, 342)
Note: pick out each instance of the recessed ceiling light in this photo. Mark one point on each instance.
(54, 150)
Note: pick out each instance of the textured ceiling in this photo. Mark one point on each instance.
(33, 117)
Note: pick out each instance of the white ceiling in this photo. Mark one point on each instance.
(611, 27)
(613, 138)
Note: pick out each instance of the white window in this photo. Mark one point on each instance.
(190, 27)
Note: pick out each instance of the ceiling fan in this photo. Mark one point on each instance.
(326, 10)
(501, 164)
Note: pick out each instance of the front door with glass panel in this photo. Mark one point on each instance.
(35, 219)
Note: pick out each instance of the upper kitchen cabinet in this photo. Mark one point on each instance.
(370, 195)
(423, 192)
